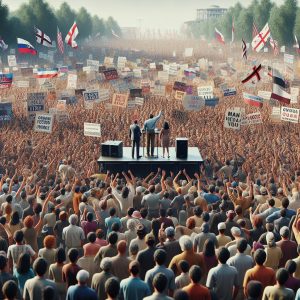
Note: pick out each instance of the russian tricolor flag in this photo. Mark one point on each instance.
(253, 100)
(47, 73)
(25, 47)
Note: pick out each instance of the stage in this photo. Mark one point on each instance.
(144, 165)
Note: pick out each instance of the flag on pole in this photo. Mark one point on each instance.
(232, 31)
(297, 46)
(253, 100)
(2, 44)
(254, 74)
(244, 47)
(25, 47)
(71, 36)
(42, 38)
(278, 78)
(254, 31)
(60, 42)
(115, 35)
(219, 36)
(274, 45)
(261, 39)
(280, 95)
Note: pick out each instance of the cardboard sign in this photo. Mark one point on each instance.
(233, 118)
(179, 95)
(108, 61)
(103, 95)
(179, 86)
(205, 92)
(163, 76)
(289, 114)
(6, 112)
(131, 104)
(120, 100)
(193, 103)
(294, 95)
(135, 93)
(35, 103)
(26, 71)
(111, 74)
(252, 119)
(139, 101)
(145, 85)
(218, 81)
(159, 90)
(91, 95)
(11, 60)
(229, 92)
(43, 123)
(72, 81)
(92, 129)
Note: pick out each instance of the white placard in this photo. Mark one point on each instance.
(139, 101)
(92, 129)
(152, 66)
(233, 118)
(188, 52)
(108, 61)
(266, 95)
(11, 60)
(173, 69)
(103, 95)
(159, 90)
(290, 114)
(193, 103)
(121, 62)
(131, 104)
(252, 119)
(92, 63)
(294, 95)
(22, 84)
(163, 76)
(137, 73)
(288, 58)
(43, 122)
(205, 91)
(72, 81)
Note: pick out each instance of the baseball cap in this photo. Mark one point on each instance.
(221, 226)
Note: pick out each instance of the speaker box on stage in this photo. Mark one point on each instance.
(112, 149)
(181, 148)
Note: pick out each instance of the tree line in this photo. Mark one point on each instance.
(284, 22)
(39, 13)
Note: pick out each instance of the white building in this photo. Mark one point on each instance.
(212, 12)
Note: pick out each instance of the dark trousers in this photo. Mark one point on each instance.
(150, 143)
(135, 144)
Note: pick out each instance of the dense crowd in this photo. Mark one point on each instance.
(229, 231)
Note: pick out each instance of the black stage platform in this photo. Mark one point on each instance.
(143, 166)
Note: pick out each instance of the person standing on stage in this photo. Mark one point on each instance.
(135, 136)
(149, 127)
(164, 136)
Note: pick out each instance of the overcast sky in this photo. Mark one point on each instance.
(164, 14)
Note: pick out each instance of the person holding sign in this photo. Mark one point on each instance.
(164, 136)
(135, 136)
(149, 127)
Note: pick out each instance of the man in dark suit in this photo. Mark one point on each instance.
(135, 136)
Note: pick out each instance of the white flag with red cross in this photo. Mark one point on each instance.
(261, 38)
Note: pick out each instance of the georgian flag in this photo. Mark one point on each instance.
(71, 36)
(42, 38)
(261, 39)
(219, 36)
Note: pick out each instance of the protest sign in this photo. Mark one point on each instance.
(22, 84)
(108, 61)
(137, 73)
(92, 129)
(288, 58)
(159, 90)
(103, 95)
(211, 102)
(91, 95)
(294, 95)
(193, 103)
(26, 71)
(131, 104)
(163, 76)
(6, 80)
(152, 66)
(61, 105)
(121, 63)
(72, 81)
(251, 119)
(93, 63)
(179, 86)
(205, 91)
(139, 101)
(173, 70)
(43, 122)
(179, 95)
(79, 92)
(111, 74)
(188, 52)
(120, 100)
(229, 92)
(135, 93)
(145, 85)
(289, 114)
(233, 118)
(11, 60)
(266, 95)
(35, 103)
(218, 81)
(6, 112)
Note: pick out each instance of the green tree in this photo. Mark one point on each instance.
(297, 24)
(4, 24)
(289, 12)
(65, 18)
(98, 26)
(244, 25)
(110, 25)
(84, 23)
(261, 13)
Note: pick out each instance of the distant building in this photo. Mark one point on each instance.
(130, 33)
(212, 12)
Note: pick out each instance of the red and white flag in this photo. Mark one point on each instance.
(280, 94)
(232, 31)
(60, 42)
(261, 39)
(71, 36)
(219, 36)
(274, 45)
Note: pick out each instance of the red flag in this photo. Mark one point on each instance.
(219, 36)
(60, 42)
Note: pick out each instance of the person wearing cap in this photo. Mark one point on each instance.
(288, 247)
(232, 246)
(230, 222)
(120, 262)
(146, 257)
(223, 279)
(160, 256)
(130, 234)
(81, 291)
(135, 136)
(99, 279)
(222, 239)
(218, 218)
(263, 196)
(279, 291)
(265, 275)
(133, 288)
(201, 237)
(242, 262)
(171, 245)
